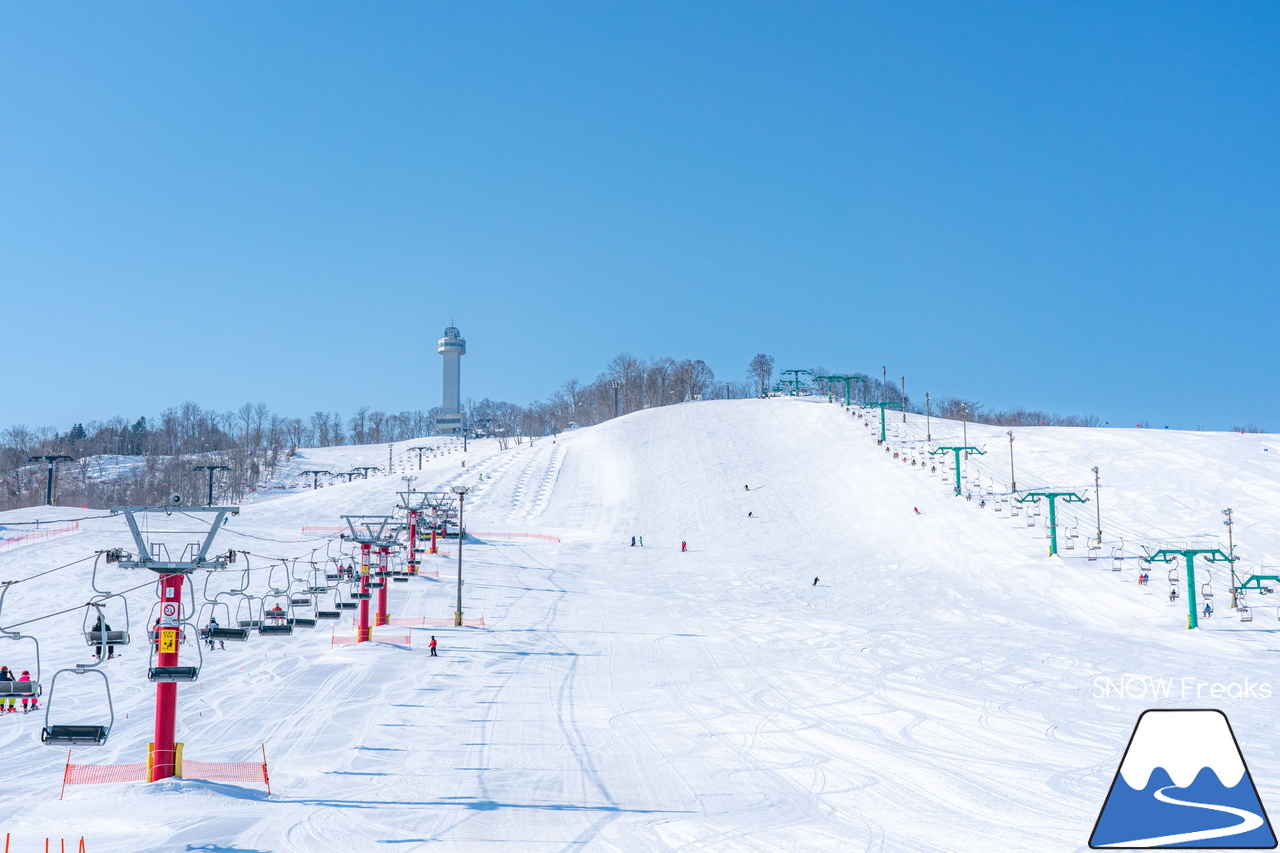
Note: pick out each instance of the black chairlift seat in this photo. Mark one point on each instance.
(328, 614)
(173, 673)
(400, 579)
(333, 577)
(300, 622)
(382, 574)
(318, 590)
(74, 735)
(300, 601)
(284, 628)
(237, 634)
(108, 638)
(362, 596)
(346, 605)
(377, 584)
(250, 623)
(19, 689)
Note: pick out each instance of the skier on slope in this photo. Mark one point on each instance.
(633, 541)
(917, 509)
(684, 546)
(815, 581)
(433, 647)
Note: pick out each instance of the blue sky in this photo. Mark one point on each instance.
(1071, 207)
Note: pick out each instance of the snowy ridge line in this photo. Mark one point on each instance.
(40, 535)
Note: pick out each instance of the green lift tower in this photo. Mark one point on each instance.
(1053, 498)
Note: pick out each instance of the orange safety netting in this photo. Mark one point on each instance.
(104, 774)
(40, 535)
(434, 622)
(515, 535)
(250, 772)
(399, 640)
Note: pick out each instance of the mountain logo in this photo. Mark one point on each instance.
(1183, 783)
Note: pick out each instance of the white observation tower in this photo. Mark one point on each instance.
(452, 347)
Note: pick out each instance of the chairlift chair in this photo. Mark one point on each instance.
(1031, 520)
(63, 734)
(1117, 559)
(244, 604)
(279, 625)
(1093, 553)
(105, 637)
(1246, 615)
(175, 674)
(225, 631)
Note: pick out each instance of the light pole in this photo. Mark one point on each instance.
(616, 385)
(1013, 479)
(964, 422)
(1231, 552)
(904, 398)
(1097, 501)
(461, 492)
(928, 434)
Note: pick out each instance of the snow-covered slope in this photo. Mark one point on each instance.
(936, 690)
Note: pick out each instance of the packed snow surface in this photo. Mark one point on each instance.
(944, 686)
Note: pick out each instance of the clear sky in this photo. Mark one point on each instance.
(1071, 207)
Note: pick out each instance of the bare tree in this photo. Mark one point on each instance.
(761, 370)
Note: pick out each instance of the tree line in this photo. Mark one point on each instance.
(119, 461)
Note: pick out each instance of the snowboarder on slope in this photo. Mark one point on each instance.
(433, 647)
(815, 581)
(633, 541)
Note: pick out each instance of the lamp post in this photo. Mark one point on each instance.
(1097, 500)
(1013, 479)
(461, 492)
(616, 384)
(928, 433)
(904, 398)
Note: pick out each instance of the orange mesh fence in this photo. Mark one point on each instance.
(394, 639)
(242, 772)
(40, 535)
(104, 774)
(542, 536)
(433, 622)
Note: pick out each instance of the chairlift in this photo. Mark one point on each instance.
(105, 637)
(339, 604)
(244, 607)
(173, 674)
(1246, 615)
(1035, 508)
(1031, 520)
(280, 622)
(60, 734)
(1014, 510)
(1093, 553)
(224, 631)
(1117, 559)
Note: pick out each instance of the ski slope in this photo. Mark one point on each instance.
(935, 691)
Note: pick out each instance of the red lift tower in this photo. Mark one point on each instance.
(372, 531)
(166, 673)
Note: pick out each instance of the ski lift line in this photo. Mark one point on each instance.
(48, 571)
(77, 607)
(54, 521)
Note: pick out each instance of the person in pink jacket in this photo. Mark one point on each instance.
(26, 676)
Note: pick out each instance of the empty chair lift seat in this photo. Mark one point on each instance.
(168, 674)
(74, 735)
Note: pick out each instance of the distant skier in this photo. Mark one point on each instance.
(815, 581)
(684, 546)
(750, 515)
(633, 541)
(748, 488)
(433, 647)
(641, 541)
(917, 509)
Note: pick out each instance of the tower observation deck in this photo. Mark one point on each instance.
(452, 347)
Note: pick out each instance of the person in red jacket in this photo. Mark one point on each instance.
(684, 546)
(433, 647)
